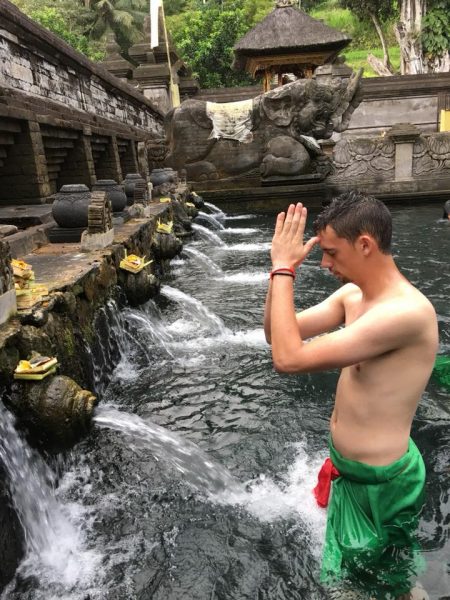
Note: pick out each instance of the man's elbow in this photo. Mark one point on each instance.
(287, 366)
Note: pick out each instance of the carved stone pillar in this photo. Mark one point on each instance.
(403, 135)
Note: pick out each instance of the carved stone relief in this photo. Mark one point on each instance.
(368, 158)
(431, 155)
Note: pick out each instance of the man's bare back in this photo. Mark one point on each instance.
(376, 399)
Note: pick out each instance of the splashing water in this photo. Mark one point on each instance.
(207, 319)
(218, 213)
(196, 467)
(240, 230)
(204, 261)
(55, 549)
(208, 235)
(212, 220)
(262, 497)
(256, 247)
(291, 497)
(246, 278)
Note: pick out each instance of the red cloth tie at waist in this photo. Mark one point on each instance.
(327, 474)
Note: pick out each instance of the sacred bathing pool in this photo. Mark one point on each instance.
(154, 452)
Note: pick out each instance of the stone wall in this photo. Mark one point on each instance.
(36, 62)
(63, 119)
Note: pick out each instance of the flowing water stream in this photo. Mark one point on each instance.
(195, 482)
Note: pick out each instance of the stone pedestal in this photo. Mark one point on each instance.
(404, 136)
(96, 241)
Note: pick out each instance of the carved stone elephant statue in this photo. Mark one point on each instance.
(279, 136)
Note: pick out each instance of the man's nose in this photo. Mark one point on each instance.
(325, 262)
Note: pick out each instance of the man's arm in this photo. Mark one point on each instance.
(378, 331)
(315, 320)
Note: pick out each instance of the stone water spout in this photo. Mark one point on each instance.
(56, 410)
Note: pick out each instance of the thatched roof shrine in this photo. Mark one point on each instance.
(288, 41)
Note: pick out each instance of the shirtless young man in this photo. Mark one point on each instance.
(386, 353)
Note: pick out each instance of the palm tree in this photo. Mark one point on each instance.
(123, 17)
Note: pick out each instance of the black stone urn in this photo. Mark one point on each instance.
(70, 207)
(129, 184)
(114, 192)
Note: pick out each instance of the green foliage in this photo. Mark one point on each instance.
(362, 33)
(363, 9)
(174, 7)
(85, 23)
(436, 29)
(358, 58)
(205, 40)
(124, 17)
(52, 19)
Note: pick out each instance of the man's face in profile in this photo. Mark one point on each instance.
(339, 254)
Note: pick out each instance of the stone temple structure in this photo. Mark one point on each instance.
(287, 41)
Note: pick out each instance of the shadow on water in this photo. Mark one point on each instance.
(196, 480)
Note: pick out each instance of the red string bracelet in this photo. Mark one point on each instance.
(283, 271)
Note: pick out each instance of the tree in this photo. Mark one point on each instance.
(123, 17)
(408, 32)
(377, 11)
(423, 33)
(205, 40)
(59, 17)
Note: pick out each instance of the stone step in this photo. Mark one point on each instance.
(6, 139)
(53, 168)
(53, 132)
(56, 160)
(10, 125)
(52, 143)
(56, 153)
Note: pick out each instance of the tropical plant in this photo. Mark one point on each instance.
(123, 17)
(205, 39)
(56, 21)
(436, 35)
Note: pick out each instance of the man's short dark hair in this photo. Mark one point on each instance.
(352, 214)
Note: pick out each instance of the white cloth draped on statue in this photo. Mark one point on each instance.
(231, 120)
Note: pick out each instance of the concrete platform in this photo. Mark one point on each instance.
(60, 266)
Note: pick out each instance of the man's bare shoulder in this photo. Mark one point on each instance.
(408, 313)
(411, 300)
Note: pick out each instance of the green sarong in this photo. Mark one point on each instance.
(370, 540)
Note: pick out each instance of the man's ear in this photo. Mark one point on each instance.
(366, 244)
